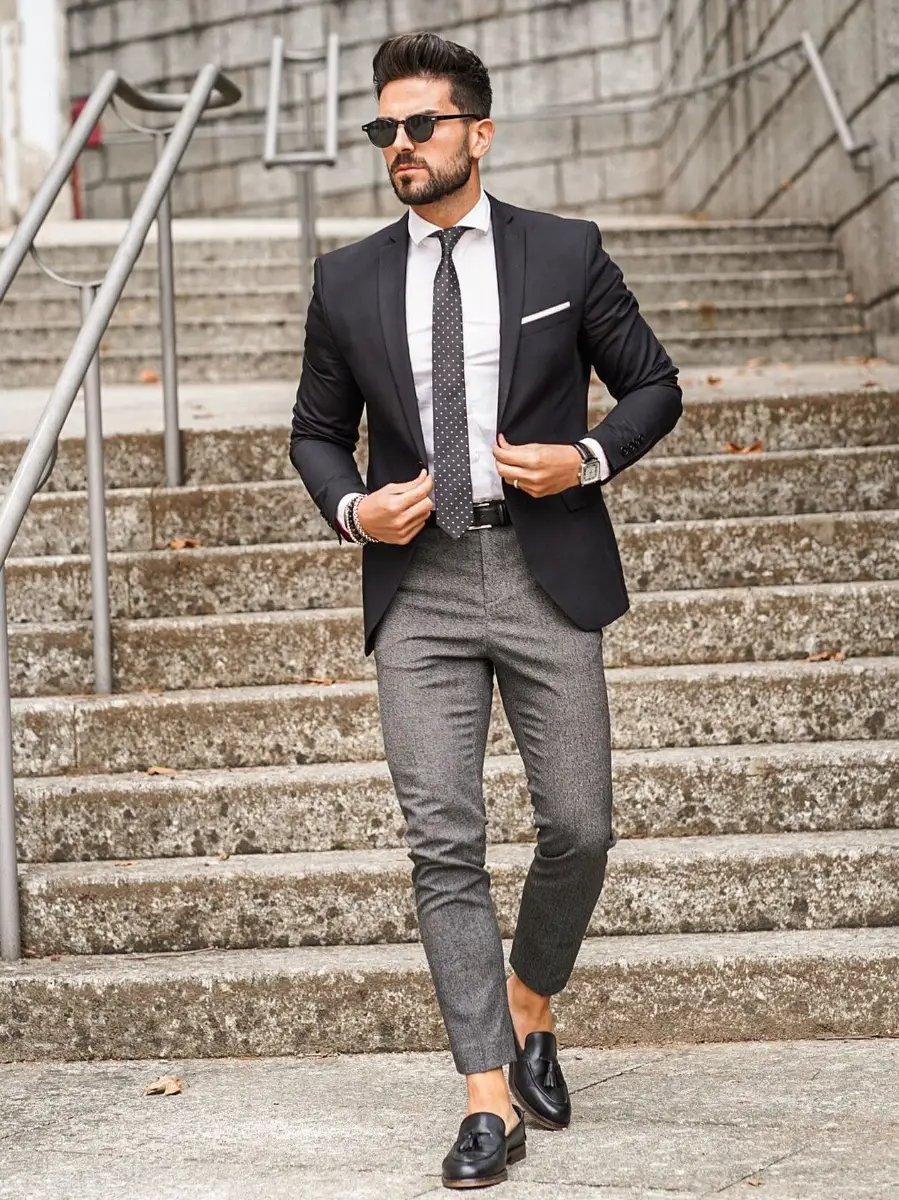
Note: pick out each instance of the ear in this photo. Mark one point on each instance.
(481, 137)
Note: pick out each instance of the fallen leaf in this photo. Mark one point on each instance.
(850, 297)
(125, 862)
(826, 656)
(754, 362)
(187, 543)
(148, 376)
(786, 184)
(223, 856)
(870, 383)
(317, 679)
(160, 771)
(165, 1085)
(713, 379)
(736, 448)
(754, 1182)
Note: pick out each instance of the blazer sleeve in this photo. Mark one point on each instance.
(326, 416)
(630, 361)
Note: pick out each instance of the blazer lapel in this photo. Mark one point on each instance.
(392, 305)
(509, 247)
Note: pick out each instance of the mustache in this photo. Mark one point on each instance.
(400, 162)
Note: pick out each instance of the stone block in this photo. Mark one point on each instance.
(360, 20)
(631, 173)
(521, 142)
(558, 29)
(256, 184)
(506, 39)
(139, 62)
(106, 202)
(361, 166)
(628, 70)
(410, 15)
(607, 22)
(217, 189)
(247, 42)
(303, 28)
(583, 180)
(646, 18)
(602, 132)
(530, 187)
(471, 10)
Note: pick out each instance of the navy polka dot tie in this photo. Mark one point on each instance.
(452, 464)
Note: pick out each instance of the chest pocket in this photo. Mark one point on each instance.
(552, 320)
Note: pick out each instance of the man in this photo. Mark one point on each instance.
(468, 330)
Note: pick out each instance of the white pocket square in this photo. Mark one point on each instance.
(545, 312)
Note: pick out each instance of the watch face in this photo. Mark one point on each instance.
(590, 471)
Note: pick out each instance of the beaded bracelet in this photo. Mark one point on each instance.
(354, 525)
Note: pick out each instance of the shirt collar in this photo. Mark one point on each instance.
(478, 218)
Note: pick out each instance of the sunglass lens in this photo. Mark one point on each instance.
(420, 127)
(381, 132)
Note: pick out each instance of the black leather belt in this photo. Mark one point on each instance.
(484, 515)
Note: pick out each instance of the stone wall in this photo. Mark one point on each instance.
(766, 146)
(570, 52)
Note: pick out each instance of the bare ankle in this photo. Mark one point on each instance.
(489, 1092)
(530, 1010)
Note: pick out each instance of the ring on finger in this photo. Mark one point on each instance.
(515, 483)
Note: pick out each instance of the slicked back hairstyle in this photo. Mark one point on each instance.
(426, 54)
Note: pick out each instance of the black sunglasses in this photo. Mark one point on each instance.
(420, 127)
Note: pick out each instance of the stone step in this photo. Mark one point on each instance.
(652, 707)
(787, 415)
(256, 649)
(681, 792)
(343, 1000)
(273, 330)
(659, 488)
(234, 363)
(141, 299)
(728, 884)
(663, 555)
(760, 240)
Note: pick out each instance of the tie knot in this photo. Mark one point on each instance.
(449, 238)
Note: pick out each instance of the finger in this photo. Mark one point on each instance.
(409, 484)
(418, 512)
(522, 474)
(405, 500)
(514, 454)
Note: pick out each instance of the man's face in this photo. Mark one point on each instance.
(423, 173)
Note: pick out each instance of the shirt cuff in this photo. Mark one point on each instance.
(341, 514)
(604, 469)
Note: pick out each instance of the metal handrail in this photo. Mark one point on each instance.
(82, 361)
(305, 161)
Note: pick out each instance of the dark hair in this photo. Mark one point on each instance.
(427, 54)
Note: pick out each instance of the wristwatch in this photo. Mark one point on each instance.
(590, 466)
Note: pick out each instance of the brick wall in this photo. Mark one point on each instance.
(766, 146)
(567, 52)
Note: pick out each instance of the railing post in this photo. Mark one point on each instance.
(96, 504)
(306, 183)
(166, 259)
(10, 924)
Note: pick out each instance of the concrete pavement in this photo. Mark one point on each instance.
(780, 1120)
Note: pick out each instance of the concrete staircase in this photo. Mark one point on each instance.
(254, 897)
(716, 292)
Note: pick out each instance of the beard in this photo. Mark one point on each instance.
(437, 184)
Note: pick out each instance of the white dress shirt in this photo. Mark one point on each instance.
(475, 262)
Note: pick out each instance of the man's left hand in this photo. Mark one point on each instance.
(541, 468)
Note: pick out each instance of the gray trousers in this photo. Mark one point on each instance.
(466, 609)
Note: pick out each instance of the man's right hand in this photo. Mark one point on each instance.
(397, 512)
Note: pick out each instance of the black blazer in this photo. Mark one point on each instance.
(357, 356)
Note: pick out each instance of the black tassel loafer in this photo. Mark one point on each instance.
(483, 1151)
(537, 1083)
